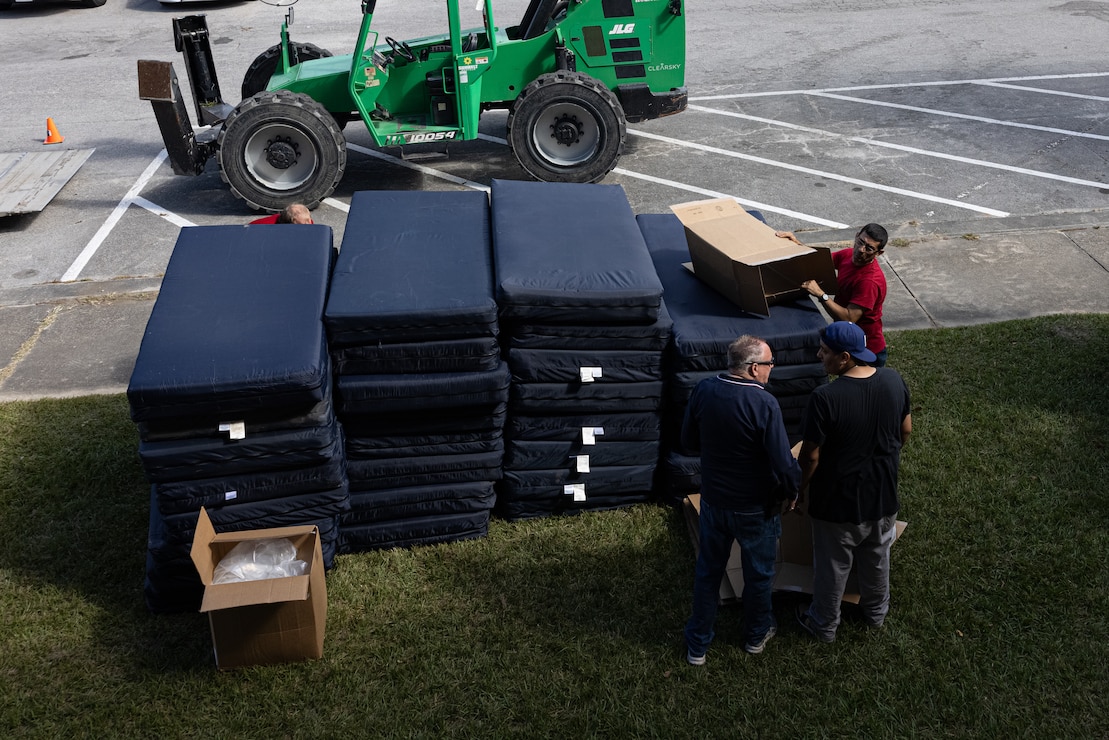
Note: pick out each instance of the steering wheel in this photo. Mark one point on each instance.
(401, 48)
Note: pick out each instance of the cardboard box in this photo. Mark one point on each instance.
(277, 620)
(793, 569)
(740, 257)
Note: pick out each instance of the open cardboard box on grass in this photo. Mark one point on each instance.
(276, 620)
(794, 571)
(739, 256)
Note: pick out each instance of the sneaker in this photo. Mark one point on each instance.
(754, 648)
(809, 626)
(694, 659)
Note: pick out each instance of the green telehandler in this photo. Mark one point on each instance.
(571, 73)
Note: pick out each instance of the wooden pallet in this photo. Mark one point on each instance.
(30, 180)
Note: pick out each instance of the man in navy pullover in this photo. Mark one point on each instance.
(746, 471)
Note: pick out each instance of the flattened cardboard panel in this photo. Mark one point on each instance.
(793, 570)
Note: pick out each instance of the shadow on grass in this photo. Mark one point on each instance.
(572, 626)
(77, 503)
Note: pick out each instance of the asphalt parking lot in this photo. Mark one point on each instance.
(978, 132)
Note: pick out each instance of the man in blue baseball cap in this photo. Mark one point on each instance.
(852, 434)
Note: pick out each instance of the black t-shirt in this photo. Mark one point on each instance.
(856, 422)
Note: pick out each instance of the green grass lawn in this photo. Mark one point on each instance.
(572, 626)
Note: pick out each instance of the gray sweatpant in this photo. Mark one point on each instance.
(835, 547)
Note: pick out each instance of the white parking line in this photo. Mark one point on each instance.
(901, 147)
(894, 85)
(1044, 91)
(157, 210)
(709, 193)
(963, 116)
(101, 234)
(821, 173)
(742, 201)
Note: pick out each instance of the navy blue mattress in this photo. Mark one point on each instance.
(705, 322)
(584, 398)
(531, 493)
(368, 475)
(187, 496)
(606, 480)
(237, 325)
(785, 380)
(568, 253)
(442, 356)
(413, 264)
(206, 458)
(381, 394)
(413, 532)
(171, 589)
(542, 455)
(616, 427)
(411, 427)
(652, 337)
(167, 549)
(382, 448)
(288, 511)
(413, 502)
(683, 474)
(255, 422)
(567, 365)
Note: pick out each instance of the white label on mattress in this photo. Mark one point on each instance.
(234, 429)
(230, 495)
(589, 435)
(581, 463)
(577, 490)
(589, 374)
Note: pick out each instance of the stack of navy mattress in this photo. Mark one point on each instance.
(584, 328)
(232, 395)
(705, 323)
(422, 388)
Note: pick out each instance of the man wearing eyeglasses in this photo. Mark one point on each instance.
(862, 286)
(747, 470)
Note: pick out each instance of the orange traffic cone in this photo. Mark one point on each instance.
(52, 135)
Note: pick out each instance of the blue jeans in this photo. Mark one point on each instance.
(757, 536)
(881, 358)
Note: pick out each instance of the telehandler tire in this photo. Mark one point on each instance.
(567, 127)
(278, 148)
(258, 74)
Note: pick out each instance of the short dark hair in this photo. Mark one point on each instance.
(876, 232)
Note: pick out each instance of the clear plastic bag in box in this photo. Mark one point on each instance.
(258, 560)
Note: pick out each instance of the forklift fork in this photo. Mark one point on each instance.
(188, 151)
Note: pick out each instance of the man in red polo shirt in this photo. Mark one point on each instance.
(862, 286)
(294, 214)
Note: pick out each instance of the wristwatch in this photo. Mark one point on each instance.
(824, 298)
